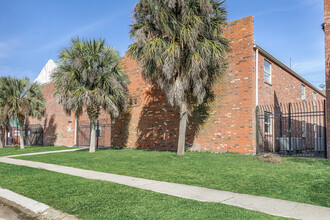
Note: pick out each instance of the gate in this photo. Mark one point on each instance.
(33, 135)
(293, 129)
(103, 133)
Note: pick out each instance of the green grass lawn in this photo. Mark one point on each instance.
(92, 199)
(6, 151)
(300, 180)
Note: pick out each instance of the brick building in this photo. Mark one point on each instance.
(227, 123)
(327, 64)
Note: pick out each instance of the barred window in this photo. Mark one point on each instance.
(303, 92)
(314, 99)
(268, 123)
(99, 131)
(16, 132)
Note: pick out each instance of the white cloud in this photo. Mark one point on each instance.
(64, 39)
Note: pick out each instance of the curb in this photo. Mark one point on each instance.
(33, 208)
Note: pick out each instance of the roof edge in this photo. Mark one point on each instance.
(288, 69)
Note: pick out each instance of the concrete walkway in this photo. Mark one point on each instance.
(267, 205)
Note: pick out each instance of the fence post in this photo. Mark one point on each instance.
(97, 134)
(290, 144)
(325, 129)
(257, 127)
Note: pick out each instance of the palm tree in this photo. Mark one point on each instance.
(3, 124)
(21, 99)
(181, 46)
(89, 75)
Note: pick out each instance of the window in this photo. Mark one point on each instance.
(268, 123)
(133, 101)
(99, 131)
(314, 99)
(303, 94)
(315, 131)
(303, 129)
(267, 72)
(16, 132)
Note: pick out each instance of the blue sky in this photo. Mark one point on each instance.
(33, 31)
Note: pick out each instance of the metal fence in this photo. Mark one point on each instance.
(33, 135)
(103, 133)
(293, 129)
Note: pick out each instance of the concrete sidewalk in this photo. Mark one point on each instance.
(267, 205)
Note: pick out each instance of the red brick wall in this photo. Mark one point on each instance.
(230, 126)
(149, 124)
(225, 125)
(284, 87)
(59, 129)
(327, 64)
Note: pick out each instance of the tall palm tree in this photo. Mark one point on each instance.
(181, 46)
(21, 99)
(89, 75)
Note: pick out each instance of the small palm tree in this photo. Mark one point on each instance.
(181, 46)
(89, 75)
(3, 124)
(21, 99)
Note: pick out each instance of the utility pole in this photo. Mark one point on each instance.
(290, 62)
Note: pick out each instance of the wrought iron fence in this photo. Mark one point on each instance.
(103, 133)
(292, 129)
(33, 135)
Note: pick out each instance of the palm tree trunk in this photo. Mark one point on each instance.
(93, 136)
(1, 143)
(182, 129)
(21, 136)
(2, 131)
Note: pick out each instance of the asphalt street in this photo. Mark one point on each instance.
(7, 213)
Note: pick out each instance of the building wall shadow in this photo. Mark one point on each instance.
(50, 131)
(158, 126)
(120, 130)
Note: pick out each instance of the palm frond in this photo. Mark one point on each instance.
(180, 45)
(89, 75)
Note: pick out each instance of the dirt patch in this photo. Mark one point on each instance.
(15, 211)
(270, 158)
